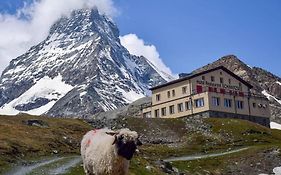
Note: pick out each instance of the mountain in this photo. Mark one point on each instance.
(79, 70)
(263, 81)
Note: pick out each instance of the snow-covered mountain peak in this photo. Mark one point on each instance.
(84, 50)
(85, 22)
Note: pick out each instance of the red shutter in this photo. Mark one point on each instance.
(241, 94)
(211, 89)
(215, 90)
(199, 89)
(222, 91)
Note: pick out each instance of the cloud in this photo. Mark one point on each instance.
(137, 46)
(31, 24)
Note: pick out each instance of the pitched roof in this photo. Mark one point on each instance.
(201, 73)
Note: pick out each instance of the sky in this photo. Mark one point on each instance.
(179, 35)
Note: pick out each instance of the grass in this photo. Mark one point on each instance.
(19, 141)
(224, 134)
(219, 165)
(78, 170)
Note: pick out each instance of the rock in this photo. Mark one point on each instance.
(36, 122)
(277, 170)
(149, 168)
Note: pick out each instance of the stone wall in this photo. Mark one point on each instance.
(215, 114)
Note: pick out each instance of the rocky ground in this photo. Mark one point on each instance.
(162, 139)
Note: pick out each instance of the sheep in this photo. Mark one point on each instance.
(107, 152)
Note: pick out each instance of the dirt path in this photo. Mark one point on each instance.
(195, 157)
(53, 166)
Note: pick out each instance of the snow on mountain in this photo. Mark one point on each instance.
(39, 98)
(270, 97)
(165, 75)
(136, 46)
(263, 82)
(278, 82)
(83, 55)
(274, 125)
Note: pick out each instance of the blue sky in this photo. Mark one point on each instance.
(189, 34)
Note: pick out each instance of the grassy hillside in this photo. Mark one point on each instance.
(162, 138)
(20, 141)
(218, 135)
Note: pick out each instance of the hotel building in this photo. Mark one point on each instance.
(216, 93)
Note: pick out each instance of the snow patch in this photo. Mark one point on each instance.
(46, 88)
(269, 97)
(277, 170)
(130, 96)
(83, 93)
(274, 125)
(278, 82)
(16, 70)
(249, 66)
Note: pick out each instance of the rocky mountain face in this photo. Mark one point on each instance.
(80, 69)
(263, 81)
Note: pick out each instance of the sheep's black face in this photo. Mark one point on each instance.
(126, 150)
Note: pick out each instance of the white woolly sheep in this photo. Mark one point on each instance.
(107, 152)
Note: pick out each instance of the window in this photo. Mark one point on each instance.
(147, 115)
(212, 78)
(157, 97)
(221, 80)
(168, 94)
(227, 103)
(184, 90)
(163, 111)
(221, 73)
(199, 102)
(180, 107)
(229, 81)
(239, 104)
(254, 105)
(188, 105)
(156, 113)
(215, 101)
(172, 109)
(173, 93)
(203, 77)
